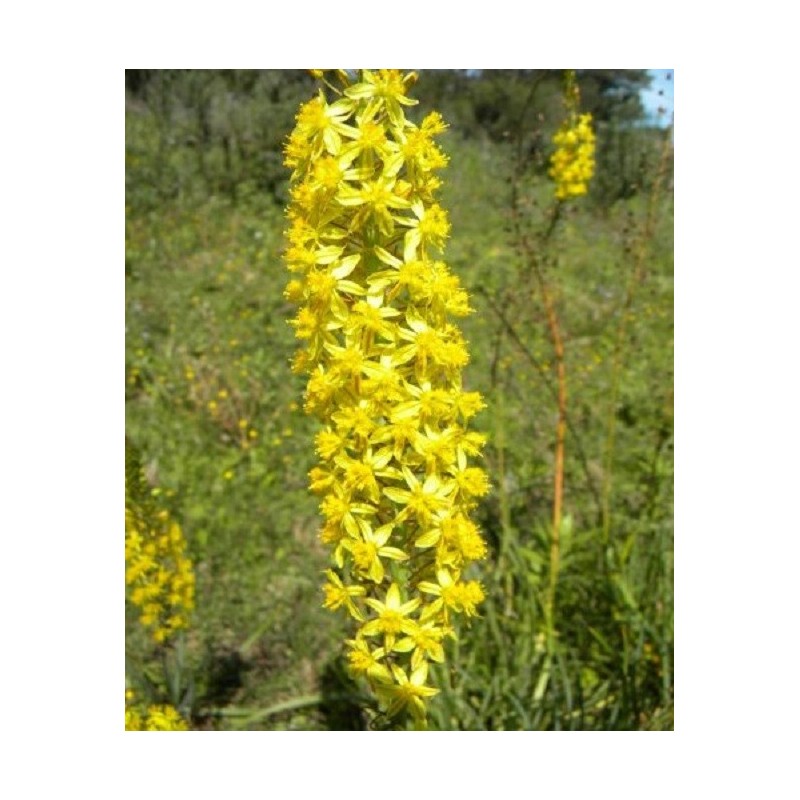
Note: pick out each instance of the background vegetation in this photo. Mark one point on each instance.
(577, 629)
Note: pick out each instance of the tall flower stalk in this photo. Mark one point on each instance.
(571, 168)
(384, 362)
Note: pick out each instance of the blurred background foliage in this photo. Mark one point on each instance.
(214, 411)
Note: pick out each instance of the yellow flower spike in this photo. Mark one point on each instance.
(572, 164)
(383, 361)
(158, 571)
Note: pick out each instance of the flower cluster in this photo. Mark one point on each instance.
(153, 718)
(572, 163)
(157, 570)
(384, 363)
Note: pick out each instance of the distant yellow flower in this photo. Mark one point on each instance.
(157, 569)
(153, 718)
(572, 164)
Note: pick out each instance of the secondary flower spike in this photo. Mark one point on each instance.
(384, 361)
(157, 570)
(572, 163)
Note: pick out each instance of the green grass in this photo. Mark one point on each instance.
(213, 408)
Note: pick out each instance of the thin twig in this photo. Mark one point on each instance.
(529, 357)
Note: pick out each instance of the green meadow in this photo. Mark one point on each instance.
(576, 632)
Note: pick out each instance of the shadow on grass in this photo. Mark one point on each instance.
(342, 701)
(225, 671)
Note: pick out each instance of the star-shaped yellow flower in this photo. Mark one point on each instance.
(408, 692)
(368, 550)
(338, 595)
(392, 617)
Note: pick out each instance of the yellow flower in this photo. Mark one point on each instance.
(470, 481)
(429, 229)
(384, 90)
(453, 595)
(420, 500)
(363, 661)
(408, 692)
(391, 619)
(368, 551)
(319, 130)
(425, 642)
(338, 595)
